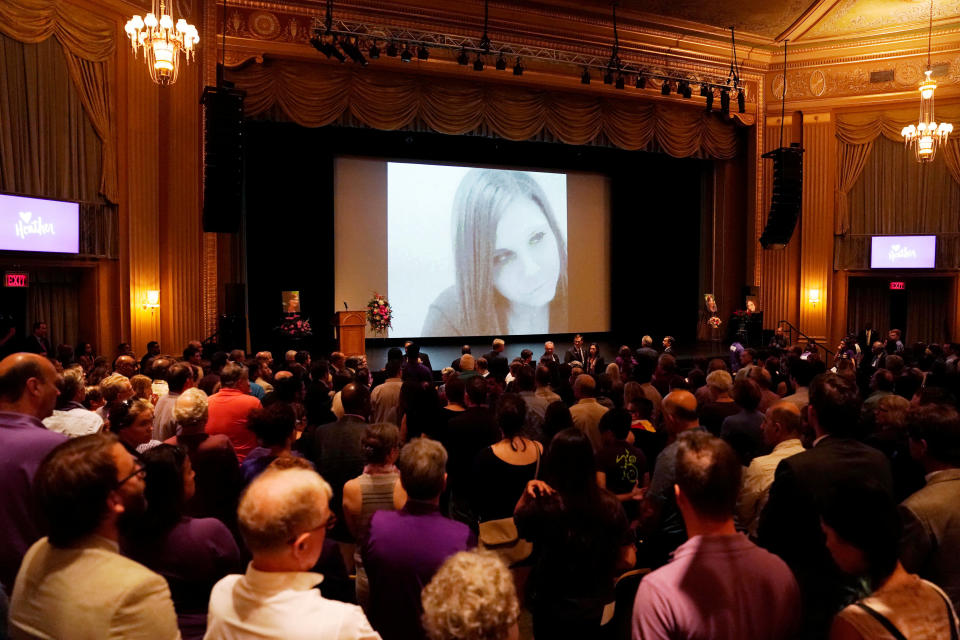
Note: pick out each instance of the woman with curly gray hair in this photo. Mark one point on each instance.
(471, 597)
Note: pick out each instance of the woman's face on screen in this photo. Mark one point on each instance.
(526, 260)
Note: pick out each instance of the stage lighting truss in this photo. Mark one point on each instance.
(347, 40)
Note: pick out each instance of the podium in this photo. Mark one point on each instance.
(351, 332)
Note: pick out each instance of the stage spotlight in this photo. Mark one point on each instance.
(327, 46)
(641, 82)
(741, 102)
(518, 68)
(725, 101)
(392, 49)
(665, 88)
(374, 51)
(682, 87)
(620, 81)
(608, 76)
(710, 101)
(462, 59)
(585, 76)
(422, 52)
(478, 63)
(704, 90)
(501, 62)
(406, 55)
(351, 47)
(687, 90)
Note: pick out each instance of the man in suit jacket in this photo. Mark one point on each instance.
(790, 523)
(646, 349)
(867, 337)
(469, 433)
(549, 353)
(576, 353)
(38, 341)
(75, 583)
(930, 545)
(336, 451)
(497, 363)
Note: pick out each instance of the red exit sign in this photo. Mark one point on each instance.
(16, 279)
(896, 285)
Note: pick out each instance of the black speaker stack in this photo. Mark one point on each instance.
(787, 196)
(223, 159)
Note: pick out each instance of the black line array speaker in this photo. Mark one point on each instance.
(223, 159)
(787, 196)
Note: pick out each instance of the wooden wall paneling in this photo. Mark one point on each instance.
(779, 269)
(816, 259)
(839, 298)
(209, 277)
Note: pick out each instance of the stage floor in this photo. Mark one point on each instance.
(443, 355)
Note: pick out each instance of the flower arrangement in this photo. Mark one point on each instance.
(379, 313)
(714, 322)
(742, 314)
(293, 326)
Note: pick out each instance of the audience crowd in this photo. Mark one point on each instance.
(789, 492)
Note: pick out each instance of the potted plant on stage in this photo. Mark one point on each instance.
(379, 314)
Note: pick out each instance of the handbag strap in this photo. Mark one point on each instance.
(536, 471)
(879, 617)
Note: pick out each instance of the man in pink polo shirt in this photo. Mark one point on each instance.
(230, 407)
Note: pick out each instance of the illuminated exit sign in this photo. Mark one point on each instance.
(897, 285)
(17, 279)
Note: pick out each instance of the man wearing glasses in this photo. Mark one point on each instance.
(283, 516)
(74, 584)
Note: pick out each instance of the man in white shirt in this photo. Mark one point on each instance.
(283, 517)
(70, 417)
(587, 412)
(781, 430)
(179, 379)
(385, 398)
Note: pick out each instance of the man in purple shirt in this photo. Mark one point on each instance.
(414, 367)
(405, 548)
(718, 585)
(28, 394)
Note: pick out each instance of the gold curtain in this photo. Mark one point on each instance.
(48, 147)
(852, 158)
(88, 44)
(314, 95)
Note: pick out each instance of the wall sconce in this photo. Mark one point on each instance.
(152, 301)
(813, 296)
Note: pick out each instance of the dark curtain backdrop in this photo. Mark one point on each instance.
(869, 301)
(927, 313)
(53, 298)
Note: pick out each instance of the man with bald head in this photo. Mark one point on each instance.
(28, 394)
(781, 432)
(336, 452)
(125, 365)
(283, 516)
(587, 412)
(663, 519)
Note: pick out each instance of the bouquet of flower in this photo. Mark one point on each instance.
(714, 322)
(293, 326)
(379, 313)
(742, 314)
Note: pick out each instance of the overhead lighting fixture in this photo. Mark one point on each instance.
(926, 137)
(392, 49)
(163, 42)
(725, 101)
(705, 90)
(620, 81)
(326, 45)
(501, 63)
(682, 87)
(350, 46)
(710, 101)
(608, 76)
(518, 68)
(374, 51)
(422, 52)
(741, 101)
(463, 59)
(665, 88)
(641, 82)
(478, 63)
(585, 76)
(406, 55)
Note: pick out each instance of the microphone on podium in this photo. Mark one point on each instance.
(345, 307)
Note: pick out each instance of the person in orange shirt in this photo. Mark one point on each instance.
(230, 407)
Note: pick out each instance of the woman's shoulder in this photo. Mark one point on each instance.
(443, 313)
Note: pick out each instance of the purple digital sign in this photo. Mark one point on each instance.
(32, 224)
(903, 252)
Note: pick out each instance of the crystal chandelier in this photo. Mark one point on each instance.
(162, 42)
(927, 135)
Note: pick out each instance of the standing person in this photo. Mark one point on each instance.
(405, 548)
(229, 408)
(862, 528)
(510, 260)
(587, 412)
(621, 467)
(718, 584)
(414, 368)
(73, 584)
(744, 430)
(38, 342)
(192, 554)
(467, 435)
(581, 541)
(70, 417)
(274, 426)
(377, 488)
(385, 397)
(132, 422)
(790, 523)
(548, 352)
(179, 379)
(28, 393)
(576, 353)
(594, 364)
(283, 516)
